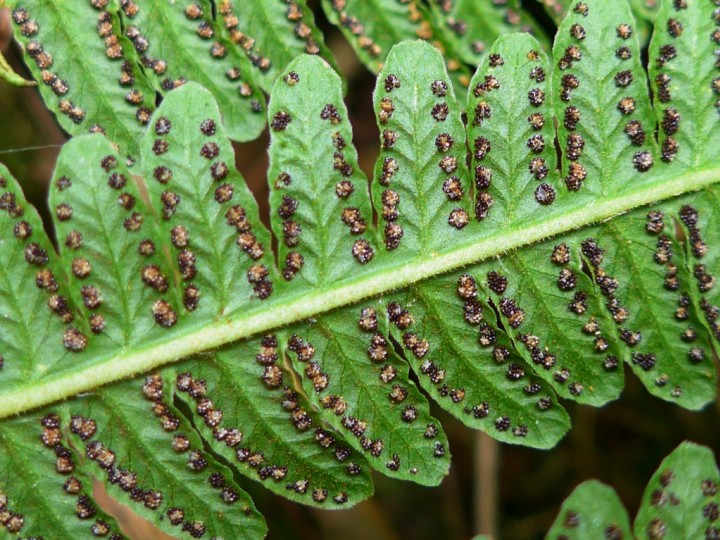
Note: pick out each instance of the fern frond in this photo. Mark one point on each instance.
(88, 74)
(644, 12)
(272, 34)
(422, 179)
(180, 41)
(700, 259)
(132, 52)
(374, 27)
(473, 369)
(315, 182)
(592, 510)
(473, 26)
(448, 249)
(363, 389)
(503, 295)
(145, 453)
(42, 490)
(268, 428)
(680, 501)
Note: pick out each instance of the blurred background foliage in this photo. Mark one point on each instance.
(506, 491)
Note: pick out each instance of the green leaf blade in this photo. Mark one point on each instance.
(697, 212)
(472, 26)
(422, 151)
(681, 495)
(643, 10)
(597, 56)
(472, 369)
(284, 443)
(511, 132)
(686, 91)
(272, 34)
(149, 458)
(43, 490)
(97, 207)
(319, 198)
(374, 27)
(385, 417)
(29, 276)
(593, 510)
(90, 84)
(637, 263)
(208, 217)
(183, 43)
(557, 320)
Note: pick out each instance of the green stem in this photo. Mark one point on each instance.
(293, 308)
(7, 73)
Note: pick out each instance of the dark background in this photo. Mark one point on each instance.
(620, 444)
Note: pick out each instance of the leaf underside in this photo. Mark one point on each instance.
(295, 366)
(680, 501)
(89, 56)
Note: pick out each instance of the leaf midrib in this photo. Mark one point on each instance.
(295, 307)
